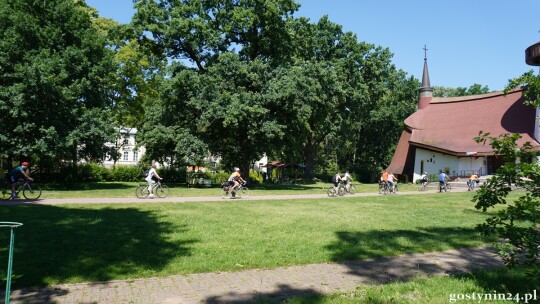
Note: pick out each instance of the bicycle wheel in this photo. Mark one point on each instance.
(32, 192)
(142, 191)
(161, 191)
(225, 194)
(331, 192)
(341, 191)
(242, 192)
(352, 189)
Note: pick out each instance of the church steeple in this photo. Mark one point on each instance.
(426, 91)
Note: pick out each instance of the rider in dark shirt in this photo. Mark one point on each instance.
(15, 174)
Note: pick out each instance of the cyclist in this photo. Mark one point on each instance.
(424, 179)
(15, 174)
(335, 180)
(390, 179)
(151, 178)
(234, 180)
(472, 181)
(442, 180)
(383, 181)
(346, 178)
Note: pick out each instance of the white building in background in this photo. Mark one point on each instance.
(130, 153)
(126, 145)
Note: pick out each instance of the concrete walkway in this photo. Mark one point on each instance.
(251, 286)
(217, 198)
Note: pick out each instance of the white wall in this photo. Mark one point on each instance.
(435, 162)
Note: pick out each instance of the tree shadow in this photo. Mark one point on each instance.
(83, 244)
(378, 256)
(284, 292)
(380, 243)
(504, 280)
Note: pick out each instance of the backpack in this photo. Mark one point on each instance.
(145, 173)
(334, 179)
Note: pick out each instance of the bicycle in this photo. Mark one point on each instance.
(471, 185)
(241, 192)
(423, 186)
(349, 188)
(160, 190)
(386, 188)
(30, 192)
(336, 191)
(444, 187)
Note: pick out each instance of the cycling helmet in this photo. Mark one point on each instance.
(24, 164)
(236, 169)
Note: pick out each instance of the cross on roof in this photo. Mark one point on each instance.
(425, 51)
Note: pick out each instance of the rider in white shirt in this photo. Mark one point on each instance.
(346, 178)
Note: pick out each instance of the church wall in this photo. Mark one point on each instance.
(469, 164)
(434, 163)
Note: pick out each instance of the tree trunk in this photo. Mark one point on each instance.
(309, 161)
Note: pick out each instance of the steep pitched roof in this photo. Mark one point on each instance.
(449, 125)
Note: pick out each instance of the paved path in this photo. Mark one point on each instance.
(217, 198)
(251, 286)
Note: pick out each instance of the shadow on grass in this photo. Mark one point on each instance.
(299, 187)
(81, 244)
(504, 280)
(388, 247)
(283, 292)
(379, 243)
(83, 186)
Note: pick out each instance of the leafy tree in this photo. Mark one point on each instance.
(338, 86)
(221, 52)
(518, 224)
(53, 68)
(475, 89)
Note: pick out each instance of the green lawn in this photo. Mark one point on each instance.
(95, 242)
(491, 286)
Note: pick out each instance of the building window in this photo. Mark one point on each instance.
(135, 156)
(126, 156)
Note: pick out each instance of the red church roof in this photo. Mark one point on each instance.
(448, 125)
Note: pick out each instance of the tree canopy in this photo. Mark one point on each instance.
(55, 72)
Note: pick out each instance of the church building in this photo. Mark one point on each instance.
(439, 135)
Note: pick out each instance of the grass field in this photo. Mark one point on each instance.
(76, 243)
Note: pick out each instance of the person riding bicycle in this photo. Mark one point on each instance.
(346, 178)
(234, 180)
(390, 180)
(151, 178)
(473, 180)
(15, 174)
(424, 178)
(443, 178)
(335, 180)
(383, 182)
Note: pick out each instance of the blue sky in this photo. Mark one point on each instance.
(468, 41)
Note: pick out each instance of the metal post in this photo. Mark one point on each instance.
(12, 226)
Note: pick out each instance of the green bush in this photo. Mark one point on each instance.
(255, 177)
(218, 177)
(92, 172)
(126, 173)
